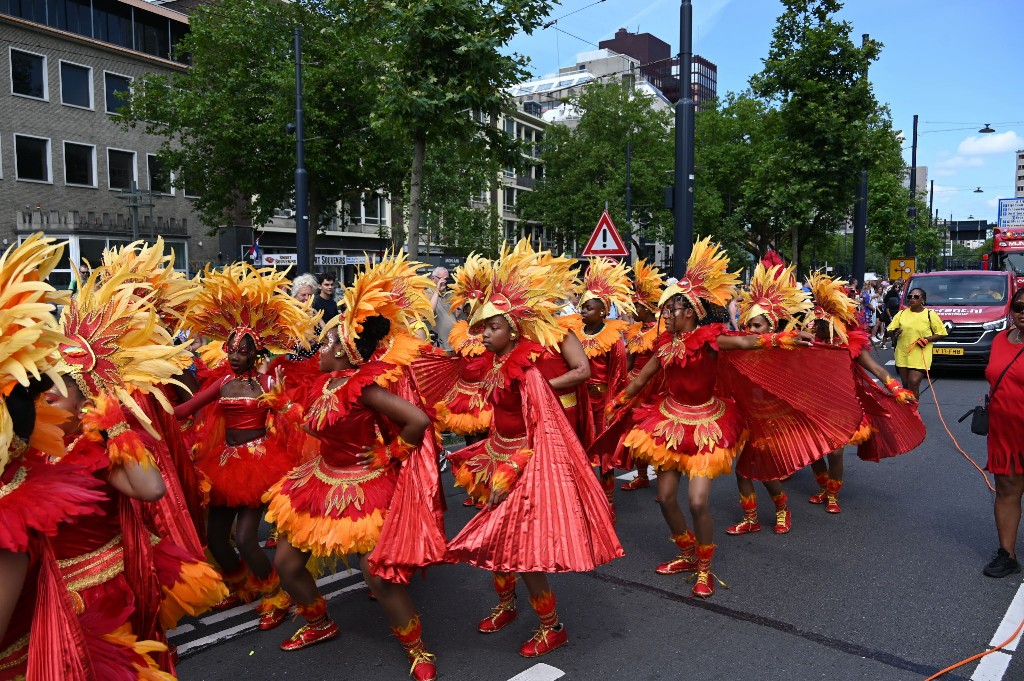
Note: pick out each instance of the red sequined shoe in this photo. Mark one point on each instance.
(271, 542)
(822, 480)
(502, 615)
(832, 496)
(310, 634)
(704, 586)
(636, 483)
(423, 666)
(468, 501)
(686, 561)
(232, 600)
(783, 521)
(545, 640)
(273, 618)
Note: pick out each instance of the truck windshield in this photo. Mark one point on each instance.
(959, 289)
(1014, 263)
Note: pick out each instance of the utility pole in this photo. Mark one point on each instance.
(860, 208)
(683, 190)
(911, 246)
(301, 178)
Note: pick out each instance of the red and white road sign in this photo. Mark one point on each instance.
(605, 241)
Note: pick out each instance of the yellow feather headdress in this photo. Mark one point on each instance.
(832, 305)
(773, 292)
(29, 333)
(526, 290)
(392, 288)
(470, 283)
(115, 342)
(240, 300)
(154, 265)
(707, 278)
(607, 281)
(648, 283)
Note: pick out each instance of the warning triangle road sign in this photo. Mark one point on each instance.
(605, 241)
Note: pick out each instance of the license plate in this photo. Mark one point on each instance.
(948, 351)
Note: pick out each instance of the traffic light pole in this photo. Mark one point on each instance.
(683, 190)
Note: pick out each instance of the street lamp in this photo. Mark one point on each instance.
(987, 129)
(979, 190)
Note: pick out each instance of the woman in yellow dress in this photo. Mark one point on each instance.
(915, 329)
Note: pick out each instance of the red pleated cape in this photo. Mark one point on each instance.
(556, 517)
(895, 428)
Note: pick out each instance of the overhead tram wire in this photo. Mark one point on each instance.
(551, 23)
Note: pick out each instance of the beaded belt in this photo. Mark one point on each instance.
(568, 400)
(502, 448)
(257, 448)
(597, 389)
(19, 477)
(15, 654)
(91, 569)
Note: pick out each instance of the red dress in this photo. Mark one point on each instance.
(640, 340)
(685, 426)
(555, 517)
(1005, 425)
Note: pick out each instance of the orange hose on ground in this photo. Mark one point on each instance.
(972, 658)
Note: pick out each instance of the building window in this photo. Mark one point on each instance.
(159, 177)
(112, 22)
(79, 164)
(28, 74)
(509, 199)
(75, 85)
(32, 158)
(113, 85)
(375, 210)
(121, 168)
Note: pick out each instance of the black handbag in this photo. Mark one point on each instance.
(979, 415)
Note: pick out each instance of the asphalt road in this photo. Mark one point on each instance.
(889, 589)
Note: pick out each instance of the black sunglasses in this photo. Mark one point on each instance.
(914, 295)
(1018, 306)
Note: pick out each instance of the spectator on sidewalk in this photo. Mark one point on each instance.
(325, 299)
(443, 317)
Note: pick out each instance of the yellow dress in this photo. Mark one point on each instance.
(915, 325)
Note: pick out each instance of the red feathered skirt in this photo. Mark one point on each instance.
(331, 510)
(189, 586)
(700, 440)
(240, 475)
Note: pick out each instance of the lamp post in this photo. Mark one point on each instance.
(301, 178)
(911, 246)
(683, 189)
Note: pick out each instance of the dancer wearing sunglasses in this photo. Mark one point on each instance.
(915, 329)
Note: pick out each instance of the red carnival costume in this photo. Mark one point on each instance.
(560, 518)
(335, 505)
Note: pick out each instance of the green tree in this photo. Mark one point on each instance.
(816, 77)
(442, 60)
(585, 167)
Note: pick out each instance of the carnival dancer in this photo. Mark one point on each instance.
(891, 424)
(680, 425)
(243, 449)
(338, 503)
(770, 304)
(35, 497)
(545, 511)
(640, 337)
(117, 354)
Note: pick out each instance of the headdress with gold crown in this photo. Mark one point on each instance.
(154, 265)
(392, 288)
(707, 278)
(773, 292)
(470, 283)
(117, 347)
(526, 290)
(241, 301)
(832, 305)
(648, 283)
(607, 281)
(29, 333)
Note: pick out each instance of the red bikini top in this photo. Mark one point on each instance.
(244, 413)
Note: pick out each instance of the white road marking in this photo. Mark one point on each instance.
(632, 474)
(891, 363)
(178, 631)
(994, 665)
(540, 672)
(218, 637)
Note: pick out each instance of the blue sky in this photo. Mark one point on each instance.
(956, 64)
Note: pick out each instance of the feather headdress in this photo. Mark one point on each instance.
(707, 278)
(29, 333)
(154, 265)
(116, 345)
(648, 283)
(607, 281)
(470, 283)
(773, 292)
(409, 289)
(832, 305)
(526, 291)
(241, 301)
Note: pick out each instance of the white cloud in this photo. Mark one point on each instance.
(992, 203)
(992, 143)
(960, 162)
(706, 14)
(944, 193)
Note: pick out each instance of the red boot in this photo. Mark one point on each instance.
(505, 611)
(552, 633)
(822, 479)
(686, 561)
(241, 588)
(275, 604)
(705, 584)
(410, 636)
(783, 516)
(832, 496)
(641, 481)
(750, 522)
(319, 627)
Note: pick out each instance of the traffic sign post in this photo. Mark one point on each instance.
(901, 268)
(605, 242)
(1011, 212)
